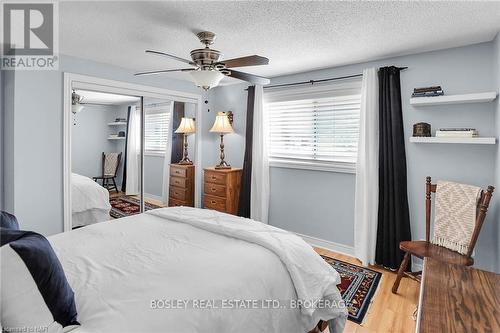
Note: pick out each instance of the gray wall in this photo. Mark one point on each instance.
(320, 204)
(2, 113)
(495, 205)
(7, 161)
(153, 175)
(90, 134)
(34, 181)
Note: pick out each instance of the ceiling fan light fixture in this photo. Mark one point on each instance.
(206, 79)
(76, 102)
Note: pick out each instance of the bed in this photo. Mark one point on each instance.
(185, 269)
(89, 201)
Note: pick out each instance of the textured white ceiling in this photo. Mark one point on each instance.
(295, 36)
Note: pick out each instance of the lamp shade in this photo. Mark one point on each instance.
(222, 124)
(186, 126)
(206, 79)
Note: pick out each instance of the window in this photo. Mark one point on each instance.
(156, 134)
(315, 129)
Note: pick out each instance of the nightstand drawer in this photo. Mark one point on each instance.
(178, 171)
(215, 177)
(178, 193)
(175, 203)
(180, 182)
(212, 202)
(214, 189)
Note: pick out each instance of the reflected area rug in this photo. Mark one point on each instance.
(357, 287)
(126, 206)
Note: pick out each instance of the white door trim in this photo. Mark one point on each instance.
(78, 81)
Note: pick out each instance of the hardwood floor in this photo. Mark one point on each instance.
(388, 312)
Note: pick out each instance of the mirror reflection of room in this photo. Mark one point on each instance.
(181, 173)
(105, 181)
(168, 143)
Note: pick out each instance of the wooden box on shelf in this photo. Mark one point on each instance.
(181, 188)
(222, 189)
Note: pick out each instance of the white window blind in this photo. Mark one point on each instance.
(318, 133)
(157, 129)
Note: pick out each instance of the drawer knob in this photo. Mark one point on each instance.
(213, 189)
(213, 178)
(213, 202)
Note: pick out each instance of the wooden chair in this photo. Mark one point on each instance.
(422, 249)
(110, 164)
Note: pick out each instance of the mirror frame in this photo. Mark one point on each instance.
(84, 82)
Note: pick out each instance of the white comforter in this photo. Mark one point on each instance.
(87, 194)
(127, 273)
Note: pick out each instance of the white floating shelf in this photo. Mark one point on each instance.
(433, 139)
(116, 138)
(117, 123)
(454, 99)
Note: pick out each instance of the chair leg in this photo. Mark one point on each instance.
(401, 272)
(114, 184)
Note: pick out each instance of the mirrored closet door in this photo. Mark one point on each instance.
(129, 154)
(105, 156)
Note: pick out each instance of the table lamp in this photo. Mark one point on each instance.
(186, 127)
(222, 126)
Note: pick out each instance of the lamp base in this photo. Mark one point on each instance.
(185, 161)
(223, 165)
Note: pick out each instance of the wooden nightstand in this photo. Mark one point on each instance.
(181, 188)
(222, 189)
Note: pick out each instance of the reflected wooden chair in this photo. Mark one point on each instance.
(110, 165)
(423, 249)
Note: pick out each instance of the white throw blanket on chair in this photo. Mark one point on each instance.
(455, 217)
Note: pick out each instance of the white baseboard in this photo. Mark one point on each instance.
(328, 245)
(154, 197)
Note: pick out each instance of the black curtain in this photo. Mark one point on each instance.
(124, 176)
(177, 138)
(393, 212)
(246, 176)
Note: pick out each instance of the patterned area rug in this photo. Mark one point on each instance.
(126, 206)
(357, 287)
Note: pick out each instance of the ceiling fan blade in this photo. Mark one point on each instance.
(255, 79)
(253, 60)
(171, 57)
(165, 71)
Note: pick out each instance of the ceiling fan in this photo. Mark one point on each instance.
(208, 68)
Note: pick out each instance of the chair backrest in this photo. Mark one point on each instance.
(482, 208)
(110, 163)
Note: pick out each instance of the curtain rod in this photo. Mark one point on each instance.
(319, 81)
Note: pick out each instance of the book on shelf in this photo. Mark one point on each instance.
(427, 89)
(457, 134)
(457, 129)
(428, 94)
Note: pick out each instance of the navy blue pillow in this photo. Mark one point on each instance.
(8, 221)
(44, 266)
